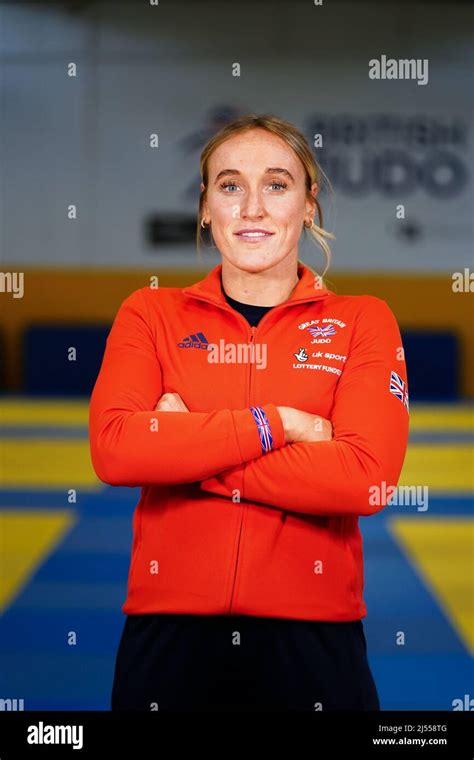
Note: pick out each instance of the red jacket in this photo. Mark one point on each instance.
(220, 527)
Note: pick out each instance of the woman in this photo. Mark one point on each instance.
(261, 414)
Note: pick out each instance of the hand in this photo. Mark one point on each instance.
(171, 402)
(303, 426)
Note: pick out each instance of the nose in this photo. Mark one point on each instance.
(252, 206)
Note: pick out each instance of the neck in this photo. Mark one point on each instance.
(268, 288)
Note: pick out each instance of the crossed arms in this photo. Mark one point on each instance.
(138, 438)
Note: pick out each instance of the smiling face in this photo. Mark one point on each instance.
(256, 200)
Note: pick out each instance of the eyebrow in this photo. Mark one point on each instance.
(269, 170)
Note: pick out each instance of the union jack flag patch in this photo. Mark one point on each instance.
(322, 331)
(399, 388)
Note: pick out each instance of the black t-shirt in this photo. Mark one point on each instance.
(252, 313)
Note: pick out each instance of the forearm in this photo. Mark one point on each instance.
(322, 478)
(165, 448)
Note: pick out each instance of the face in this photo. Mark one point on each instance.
(257, 184)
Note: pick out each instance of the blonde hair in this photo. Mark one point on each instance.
(295, 139)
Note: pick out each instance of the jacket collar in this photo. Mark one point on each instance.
(210, 287)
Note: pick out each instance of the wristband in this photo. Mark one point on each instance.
(263, 426)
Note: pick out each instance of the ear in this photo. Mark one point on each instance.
(310, 205)
(205, 207)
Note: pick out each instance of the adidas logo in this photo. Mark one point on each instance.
(196, 340)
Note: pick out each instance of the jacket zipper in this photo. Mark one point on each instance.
(242, 504)
(250, 339)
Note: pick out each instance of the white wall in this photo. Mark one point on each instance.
(144, 69)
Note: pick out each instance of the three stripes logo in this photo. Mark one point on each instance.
(196, 340)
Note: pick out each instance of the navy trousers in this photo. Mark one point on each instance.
(228, 663)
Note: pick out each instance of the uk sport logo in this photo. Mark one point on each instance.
(302, 355)
(195, 340)
(399, 388)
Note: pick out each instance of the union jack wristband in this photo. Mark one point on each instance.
(263, 426)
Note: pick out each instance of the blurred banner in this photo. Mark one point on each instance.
(106, 107)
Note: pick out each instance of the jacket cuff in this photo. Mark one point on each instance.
(248, 438)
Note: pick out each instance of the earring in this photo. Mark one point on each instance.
(203, 224)
(311, 222)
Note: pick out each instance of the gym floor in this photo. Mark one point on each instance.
(66, 540)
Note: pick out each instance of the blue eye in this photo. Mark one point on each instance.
(228, 184)
(281, 185)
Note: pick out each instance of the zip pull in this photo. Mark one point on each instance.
(252, 333)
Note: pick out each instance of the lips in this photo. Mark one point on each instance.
(253, 235)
